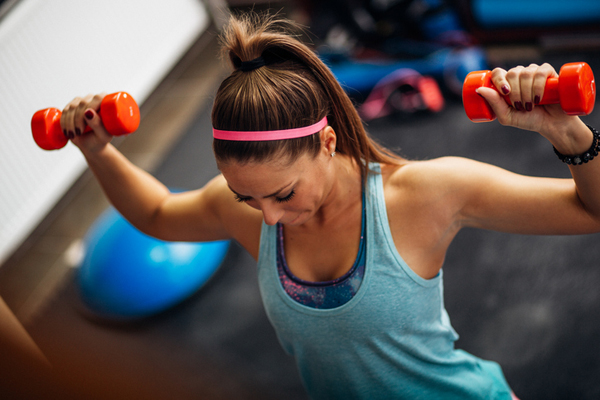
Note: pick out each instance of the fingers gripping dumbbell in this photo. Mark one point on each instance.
(574, 89)
(119, 112)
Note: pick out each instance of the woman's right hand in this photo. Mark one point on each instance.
(78, 114)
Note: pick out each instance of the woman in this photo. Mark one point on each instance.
(350, 239)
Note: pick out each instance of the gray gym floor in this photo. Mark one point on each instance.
(530, 303)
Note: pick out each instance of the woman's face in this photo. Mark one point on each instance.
(289, 193)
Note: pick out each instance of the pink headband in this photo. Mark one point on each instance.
(255, 136)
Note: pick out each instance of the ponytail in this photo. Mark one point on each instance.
(293, 89)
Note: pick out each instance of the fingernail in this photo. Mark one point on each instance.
(528, 106)
(78, 131)
(518, 106)
(536, 100)
(505, 89)
(71, 135)
(89, 114)
(65, 133)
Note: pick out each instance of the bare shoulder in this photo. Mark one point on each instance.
(423, 202)
(241, 221)
(442, 186)
(435, 174)
(207, 214)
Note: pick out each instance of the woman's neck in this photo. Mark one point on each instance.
(344, 194)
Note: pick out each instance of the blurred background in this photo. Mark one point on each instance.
(530, 303)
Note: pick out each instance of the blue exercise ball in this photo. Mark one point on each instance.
(127, 274)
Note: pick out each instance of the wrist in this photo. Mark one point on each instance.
(572, 138)
(97, 152)
(582, 157)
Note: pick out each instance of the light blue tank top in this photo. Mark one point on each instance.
(329, 294)
(392, 340)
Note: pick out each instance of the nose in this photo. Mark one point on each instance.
(271, 214)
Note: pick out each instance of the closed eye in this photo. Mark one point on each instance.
(286, 198)
(241, 199)
(244, 199)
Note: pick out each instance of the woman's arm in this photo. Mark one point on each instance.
(510, 202)
(150, 206)
(15, 338)
(484, 196)
(210, 213)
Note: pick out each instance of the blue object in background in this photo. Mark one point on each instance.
(127, 274)
(439, 22)
(449, 66)
(519, 13)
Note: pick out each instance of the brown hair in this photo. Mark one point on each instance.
(294, 89)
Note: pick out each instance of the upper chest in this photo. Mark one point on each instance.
(326, 252)
(419, 220)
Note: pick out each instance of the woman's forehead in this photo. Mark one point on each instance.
(257, 177)
(276, 164)
(265, 177)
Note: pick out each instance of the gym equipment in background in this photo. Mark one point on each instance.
(368, 44)
(449, 66)
(119, 112)
(574, 89)
(126, 274)
(491, 14)
(403, 90)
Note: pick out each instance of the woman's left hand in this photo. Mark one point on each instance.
(525, 88)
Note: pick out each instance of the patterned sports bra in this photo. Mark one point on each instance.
(328, 294)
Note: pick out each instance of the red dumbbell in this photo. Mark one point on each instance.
(119, 112)
(574, 90)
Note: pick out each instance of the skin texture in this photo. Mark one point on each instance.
(318, 199)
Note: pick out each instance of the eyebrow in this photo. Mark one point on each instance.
(265, 197)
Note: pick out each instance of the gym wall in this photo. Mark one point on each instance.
(53, 50)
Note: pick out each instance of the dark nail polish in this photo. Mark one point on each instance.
(65, 133)
(89, 114)
(536, 100)
(71, 135)
(78, 131)
(528, 106)
(505, 89)
(518, 106)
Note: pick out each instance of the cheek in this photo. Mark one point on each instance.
(308, 202)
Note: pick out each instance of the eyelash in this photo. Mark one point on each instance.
(277, 199)
(241, 199)
(286, 198)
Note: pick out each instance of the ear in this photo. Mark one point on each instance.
(328, 140)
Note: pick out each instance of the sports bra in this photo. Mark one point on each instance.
(327, 294)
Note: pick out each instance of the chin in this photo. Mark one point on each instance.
(298, 220)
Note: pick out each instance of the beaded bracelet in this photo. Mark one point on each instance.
(584, 157)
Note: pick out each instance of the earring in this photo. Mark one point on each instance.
(333, 154)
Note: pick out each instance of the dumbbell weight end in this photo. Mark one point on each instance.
(119, 113)
(45, 127)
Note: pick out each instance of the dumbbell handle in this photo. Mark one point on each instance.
(119, 112)
(574, 89)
